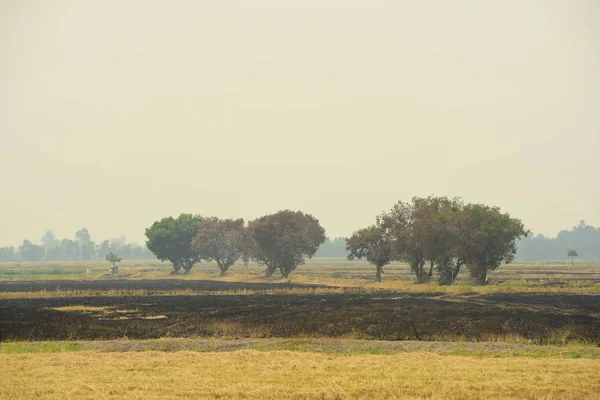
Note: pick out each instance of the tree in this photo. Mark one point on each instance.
(8, 254)
(87, 247)
(283, 240)
(417, 233)
(442, 236)
(53, 253)
(488, 239)
(372, 244)
(104, 249)
(112, 258)
(31, 252)
(49, 240)
(221, 241)
(171, 238)
(572, 253)
(69, 250)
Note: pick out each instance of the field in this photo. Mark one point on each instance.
(533, 333)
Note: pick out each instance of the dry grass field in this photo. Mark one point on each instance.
(282, 374)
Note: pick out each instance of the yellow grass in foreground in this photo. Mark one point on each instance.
(281, 374)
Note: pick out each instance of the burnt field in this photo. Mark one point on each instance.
(150, 285)
(536, 318)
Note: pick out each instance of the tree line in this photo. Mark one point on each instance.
(279, 241)
(439, 234)
(583, 240)
(82, 247)
(432, 234)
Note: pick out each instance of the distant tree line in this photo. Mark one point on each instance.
(438, 234)
(82, 247)
(333, 248)
(582, 239)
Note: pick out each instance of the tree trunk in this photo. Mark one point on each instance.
(455, 271)
(222, 267)
(480, 278)
(378, 273)
(431, 269)
(447, 272)
(176, 269)
(419, 271)
(269, 271)
(187, 268)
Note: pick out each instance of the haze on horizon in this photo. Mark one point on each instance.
(115, 114)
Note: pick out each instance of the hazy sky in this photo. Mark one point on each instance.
(116, 113)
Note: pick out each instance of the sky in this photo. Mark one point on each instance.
(114, 114)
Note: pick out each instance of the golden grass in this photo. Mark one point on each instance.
(79, 308)
(283, 374)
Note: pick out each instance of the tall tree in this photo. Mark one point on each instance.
(49, 240)
(372, 244)
(412, 227)
(87, 248)
(220, 240)
(572, 254)
(171, 239)
(283, 240)
(488, 239)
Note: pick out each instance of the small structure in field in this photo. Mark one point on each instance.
(114, 260)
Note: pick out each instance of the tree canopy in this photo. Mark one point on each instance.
(220, 240)
(447, 234)
(113, 258)
(488, 239)
(171, 239)
(372, 244)
(283, 240)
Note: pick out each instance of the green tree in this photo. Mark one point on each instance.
(220, 240)
(171, 239)
(488, 239)
(283, 240)
(372, 244)
(418, 233)
(572, 253)
(113, 258)
(441, 235)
